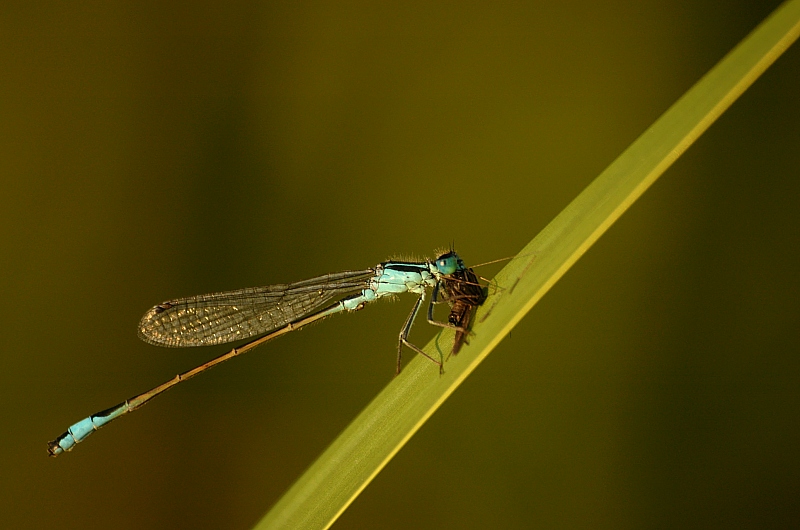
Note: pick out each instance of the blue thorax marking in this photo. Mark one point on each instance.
(396, 277)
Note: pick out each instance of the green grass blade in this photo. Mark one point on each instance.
(325, 490)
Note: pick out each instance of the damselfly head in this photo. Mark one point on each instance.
(448, 263)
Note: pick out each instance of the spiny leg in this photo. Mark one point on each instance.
(404, 337)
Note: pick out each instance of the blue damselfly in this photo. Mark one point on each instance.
(275, 310)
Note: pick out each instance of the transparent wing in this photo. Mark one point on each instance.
(218, 318)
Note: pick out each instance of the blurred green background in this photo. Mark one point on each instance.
(152, 152)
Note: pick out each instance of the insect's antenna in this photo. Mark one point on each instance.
(494, 261)
(504, 259)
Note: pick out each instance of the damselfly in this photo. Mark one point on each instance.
(275, 310)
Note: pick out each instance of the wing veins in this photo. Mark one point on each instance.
(222, 317)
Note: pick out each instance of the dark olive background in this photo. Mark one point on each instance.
(154, 151)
